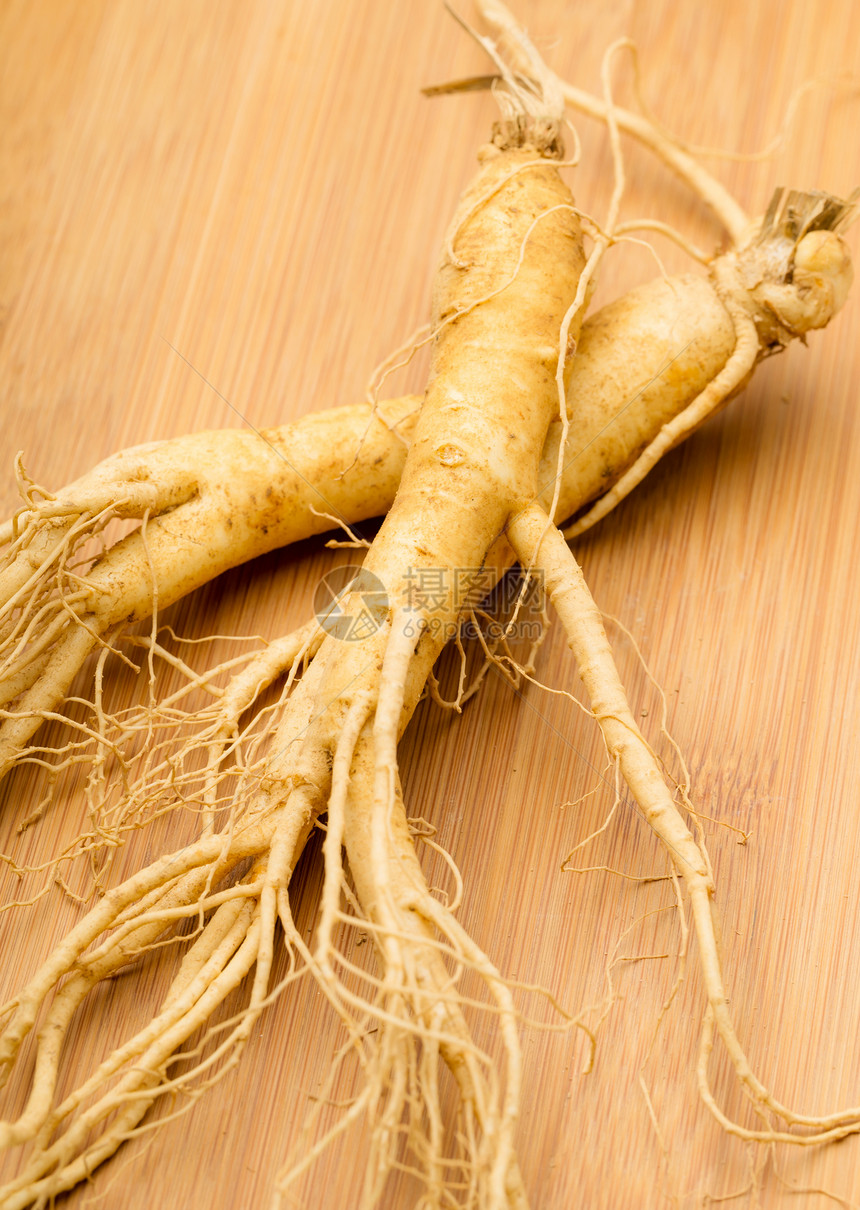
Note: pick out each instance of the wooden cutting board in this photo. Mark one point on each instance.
(217, 215)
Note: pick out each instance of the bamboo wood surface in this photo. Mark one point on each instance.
(225, 214)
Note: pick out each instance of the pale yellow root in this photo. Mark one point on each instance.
(539, 544)
(208, 502)
(485, 420)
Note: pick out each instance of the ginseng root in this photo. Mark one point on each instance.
(479, 485)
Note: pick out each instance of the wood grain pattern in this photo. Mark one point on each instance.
(216, 214)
